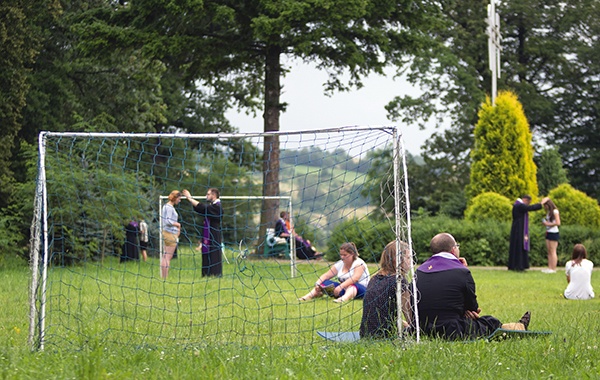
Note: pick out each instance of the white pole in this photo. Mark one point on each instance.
(45, 254)
(494, 47)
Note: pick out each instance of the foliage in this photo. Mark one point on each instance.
(576, 208)
(551, 172)
(489, 205)
(20, 43)
(547, 50)
(502, 158)
(369, 236)
(485, 242)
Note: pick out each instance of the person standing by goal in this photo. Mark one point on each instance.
(144, 239)
(212, 211)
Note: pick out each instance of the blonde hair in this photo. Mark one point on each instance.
(174, 195)
(387, 263)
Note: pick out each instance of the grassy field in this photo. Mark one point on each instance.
(102, 342)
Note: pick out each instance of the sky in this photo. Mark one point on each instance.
(309, 109)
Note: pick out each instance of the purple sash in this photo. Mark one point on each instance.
(525, 228)
(206, 236)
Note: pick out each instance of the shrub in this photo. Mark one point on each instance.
(370, 237)
(502, 156)
(489, 206)
(576, 208)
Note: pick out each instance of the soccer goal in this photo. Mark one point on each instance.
(89, 283)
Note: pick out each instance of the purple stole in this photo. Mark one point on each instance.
(206, 236)
(525, 229)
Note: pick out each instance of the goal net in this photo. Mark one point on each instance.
(90, 281)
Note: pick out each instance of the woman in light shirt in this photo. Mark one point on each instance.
(579, 275)
(352, 274)
(171, 230)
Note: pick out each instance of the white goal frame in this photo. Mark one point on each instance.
(233, 197)
(39, 250)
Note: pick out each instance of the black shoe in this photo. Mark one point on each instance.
(525, 319)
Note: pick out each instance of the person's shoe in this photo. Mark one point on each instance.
(525, 319)
(548, 271)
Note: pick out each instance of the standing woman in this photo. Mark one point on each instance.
(171, 230)
(351, 272)
(551, 221)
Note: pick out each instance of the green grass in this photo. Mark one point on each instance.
(101, 342)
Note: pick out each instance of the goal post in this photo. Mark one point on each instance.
(346, 184)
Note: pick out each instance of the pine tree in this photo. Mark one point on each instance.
(502, 158)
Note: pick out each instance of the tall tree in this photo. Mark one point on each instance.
(551, 172)
(502, 158)
(547, 50)
(238, 48)
(20, 37)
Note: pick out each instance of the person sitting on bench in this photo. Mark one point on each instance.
(304, 249)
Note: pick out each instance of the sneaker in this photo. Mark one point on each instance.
(525, 319)
(548, 271)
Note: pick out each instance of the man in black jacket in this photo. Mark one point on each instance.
(448, 303)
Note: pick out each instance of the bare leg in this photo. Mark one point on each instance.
(314, 293)
(166, 261)
(551, 247)
(144, 255)
(348, 295)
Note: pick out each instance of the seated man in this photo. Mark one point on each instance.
(304, 250)
(448, 304)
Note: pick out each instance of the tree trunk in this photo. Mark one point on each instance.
(270, 207)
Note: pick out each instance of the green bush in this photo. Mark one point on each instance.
(576, 208)
(369, 236)
(485, 243)
(489, 206)
(482, 242)
(502, 155)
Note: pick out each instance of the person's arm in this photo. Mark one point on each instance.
(331, 273)
(568, 272)
(357, 272)
(472, 309)
(188, 196)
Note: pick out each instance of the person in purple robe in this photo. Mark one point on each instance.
(518, 252)
(448, 305)
(212, 211)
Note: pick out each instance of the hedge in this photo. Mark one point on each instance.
(483, 243)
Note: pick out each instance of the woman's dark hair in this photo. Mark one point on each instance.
(579, 253)
(550, 207)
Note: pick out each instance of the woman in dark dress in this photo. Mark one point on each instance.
(380, 306)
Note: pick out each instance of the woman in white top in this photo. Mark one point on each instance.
(579, 275)
(551, 221)
(351, 272)
(171, 230)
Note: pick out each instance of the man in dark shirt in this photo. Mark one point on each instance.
(448, 303)
(212, 211)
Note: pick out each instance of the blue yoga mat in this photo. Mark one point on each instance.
(498, 334)
(340, 336)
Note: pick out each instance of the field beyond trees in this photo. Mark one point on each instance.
(570, 352)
